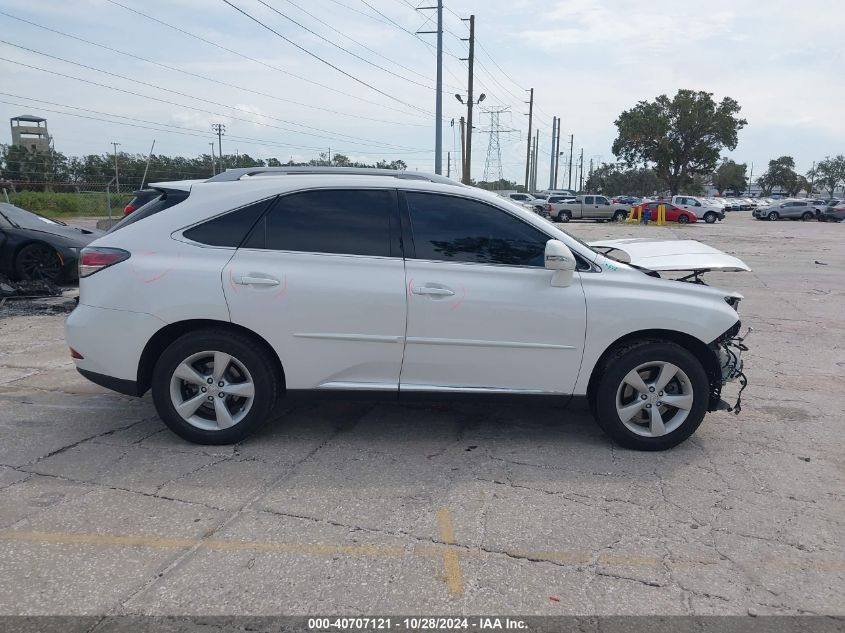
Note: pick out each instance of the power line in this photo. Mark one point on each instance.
(352, 39)
(185, 131)
(339, 47)
(328, 133)
(324, 61)
(258, 61)
(205, 77)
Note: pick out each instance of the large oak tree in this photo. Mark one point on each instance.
(681, 138)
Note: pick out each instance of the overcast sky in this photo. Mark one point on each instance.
(586, 59)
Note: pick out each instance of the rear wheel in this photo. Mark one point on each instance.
(683, 219)
(214, 386)
(773, 215)
(710, 217)
(564, 216)
(652, 395)
(807, 216)
(38, 262)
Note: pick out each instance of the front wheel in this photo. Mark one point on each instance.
(683, 219)
(773, 215)
(37, 262)
(564, 216)
(214, 386)
(652, 395)
(710, 217)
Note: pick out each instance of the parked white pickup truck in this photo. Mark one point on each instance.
(587, 208)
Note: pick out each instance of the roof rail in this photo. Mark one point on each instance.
(236, 174)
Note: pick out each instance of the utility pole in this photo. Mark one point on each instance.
(581, 167)
(528, 152)
(116, 176)
(552, 154)
(212, 157)
(448, 164)
(463, 146)
(530, 164)
(750, 177)
(571, 141)
(590, 173)
(557, 152)
(470, 63)
(146, 168)
(812, 179)
(536, 157)
(220, 128)
(438, 98)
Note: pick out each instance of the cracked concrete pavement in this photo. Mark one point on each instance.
(360, 508)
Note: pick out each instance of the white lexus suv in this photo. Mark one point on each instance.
(223, 296)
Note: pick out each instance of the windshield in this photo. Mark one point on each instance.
(26, 219)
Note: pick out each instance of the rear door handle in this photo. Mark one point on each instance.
(432, 292)
(257, 281)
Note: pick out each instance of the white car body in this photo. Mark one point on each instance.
(376, 323)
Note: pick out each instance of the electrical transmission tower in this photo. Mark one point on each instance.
(493, 164)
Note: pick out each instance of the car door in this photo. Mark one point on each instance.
(587, 207)
(321, 278)
(482, 313)
(603, 209)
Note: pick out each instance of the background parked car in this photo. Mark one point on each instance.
(673, 213)
(701, 207)
(833, 212)
(141, 197)
(791, 209)
(34, 247)
(538, 205)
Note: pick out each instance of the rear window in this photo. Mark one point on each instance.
(228, 229)
(166, 200)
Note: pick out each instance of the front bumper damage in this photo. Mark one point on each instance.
(728, 349)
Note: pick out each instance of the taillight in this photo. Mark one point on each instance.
(94, 259)
(128, 209)
(75, 354)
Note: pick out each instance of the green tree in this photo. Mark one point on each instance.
(781, 173)
(730, 176)
(830, 173)
(614, 180)
(681, 137)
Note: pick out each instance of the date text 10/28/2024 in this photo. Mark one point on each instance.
(416, 624)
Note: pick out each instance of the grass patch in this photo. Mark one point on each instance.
(68, 205)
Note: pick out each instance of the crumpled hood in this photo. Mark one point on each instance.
(672, 255)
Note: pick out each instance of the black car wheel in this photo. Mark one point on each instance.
(683, 219)
(807, 216)
(710, 217)
(38, 262)
(773, 215)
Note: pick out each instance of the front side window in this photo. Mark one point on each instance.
(337, 221)
(452, 229)
(601, 200)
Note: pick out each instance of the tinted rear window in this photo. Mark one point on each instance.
(228, 229)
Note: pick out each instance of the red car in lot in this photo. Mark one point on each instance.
(673, 213)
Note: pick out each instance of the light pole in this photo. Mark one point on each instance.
(468, 142)
(116, 177)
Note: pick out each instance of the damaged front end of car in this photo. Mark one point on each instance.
(728, 349)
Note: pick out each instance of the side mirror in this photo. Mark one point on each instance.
(560, 259)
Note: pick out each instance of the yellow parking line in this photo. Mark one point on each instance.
(451, 562)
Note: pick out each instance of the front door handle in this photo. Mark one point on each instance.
(433, 292)
(256, 281)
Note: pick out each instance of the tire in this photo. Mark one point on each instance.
(710, 217)
(645, 360)
(564, 216)
(772, 216)
(807, 216)
(206, 423)
(619, 216)
(683, 219)
(38, 261)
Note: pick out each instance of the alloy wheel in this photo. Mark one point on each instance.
(654, 399)
(212, 390)
(39, 262)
